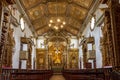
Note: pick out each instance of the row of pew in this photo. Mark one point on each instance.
(82, 74)
(92, 74)
(16, 74)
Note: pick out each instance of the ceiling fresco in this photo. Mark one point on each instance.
(72, 12)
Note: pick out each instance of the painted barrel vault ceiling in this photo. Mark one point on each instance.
(73, 12)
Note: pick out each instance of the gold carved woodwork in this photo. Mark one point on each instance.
(0, 36)
(26, 54)
(115, 24)
(91, 54)
(23, 55)
(8, 50)
(88, 54)
(38, 14)
(41, 58)
(7, 40)
(90, 40)
(84, 49)
(107, 41)
(56, 51)
(73, 58)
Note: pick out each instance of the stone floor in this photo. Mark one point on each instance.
(57, 77)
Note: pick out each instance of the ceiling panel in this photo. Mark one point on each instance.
(37, 12)
(78, 12)
(84, 3)
(72, 31)
(29, 3)
(57, 8)
(73, 12)
(40, 23)
(73, 22)
(43, 30)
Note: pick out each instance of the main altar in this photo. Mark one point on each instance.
(57, 56)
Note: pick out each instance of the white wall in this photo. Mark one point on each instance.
(17, 35)
(40, 42)
(74, 43)
(96, 33)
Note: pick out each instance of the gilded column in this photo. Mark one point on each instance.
(0, 33)
(115, 18)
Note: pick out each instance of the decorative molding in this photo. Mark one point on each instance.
(86, 21)
(14, 21)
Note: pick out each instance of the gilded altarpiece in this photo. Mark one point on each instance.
(73, 58)
(7, 41)
(107, 41)
(84, 50)
(10, 43)
(41, 58)
(114, 6)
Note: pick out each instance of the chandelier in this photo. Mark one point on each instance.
(56, 23)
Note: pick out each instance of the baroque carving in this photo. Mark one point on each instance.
(73, 58)
(41, 58)
(115, 16)
(26, 54)
(9, 48)
(107, 42)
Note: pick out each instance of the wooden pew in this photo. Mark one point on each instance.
(93, 74)
(22, 74)
(83, 75)
(32, 75)
(115, 75)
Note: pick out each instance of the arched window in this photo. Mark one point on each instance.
(22, 24)
(92, 23)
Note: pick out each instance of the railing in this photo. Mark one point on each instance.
(93, 74)
(16, 74)
(83, 74)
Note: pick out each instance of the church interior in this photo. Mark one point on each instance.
(59, 40)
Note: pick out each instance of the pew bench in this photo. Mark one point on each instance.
(35, 75)
(83, 75)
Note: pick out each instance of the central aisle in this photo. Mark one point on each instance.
(57, 77)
